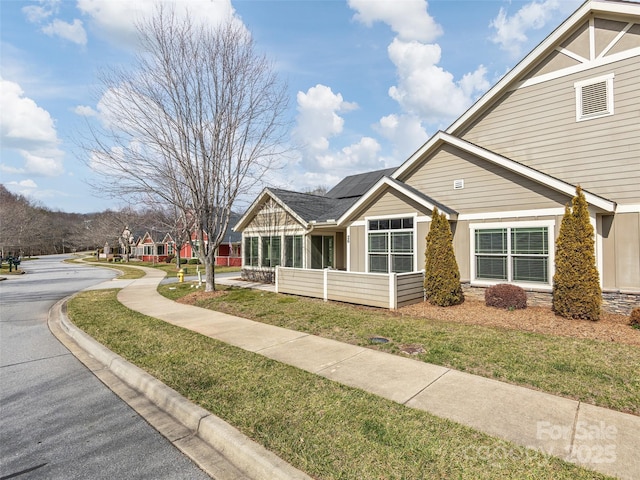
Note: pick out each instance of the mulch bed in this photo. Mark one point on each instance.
(610, 327)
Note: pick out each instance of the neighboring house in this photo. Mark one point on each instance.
(568, 114)
(229, 252)
(155, 247)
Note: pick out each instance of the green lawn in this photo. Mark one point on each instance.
(326, 429)
(600, 373)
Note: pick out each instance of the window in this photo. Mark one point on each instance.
(321, 251)
(251, 251)
(594, 98)
(512, 254)
(160, 249)
(170, 248)
(148, 250)
(390, 245)
(195, 248)
(271, 251)
(293, 251)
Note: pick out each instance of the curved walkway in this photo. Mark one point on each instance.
(596, 438)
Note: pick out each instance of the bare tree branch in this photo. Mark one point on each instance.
(195, 124)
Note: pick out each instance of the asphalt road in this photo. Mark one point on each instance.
(57, 420)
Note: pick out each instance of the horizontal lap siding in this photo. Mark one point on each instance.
(410, 289)
(362, 289)
(487, 187)
(306, 283)
(537, 126)
(391, 203)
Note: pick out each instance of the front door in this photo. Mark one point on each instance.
(322, 251)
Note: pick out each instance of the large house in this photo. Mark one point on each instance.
(568, 114)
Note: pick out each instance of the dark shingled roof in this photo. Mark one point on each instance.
(339, 199)
(357, 185)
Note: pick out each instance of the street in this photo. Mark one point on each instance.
(57, 420)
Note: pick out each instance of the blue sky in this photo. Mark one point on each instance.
(369, 81)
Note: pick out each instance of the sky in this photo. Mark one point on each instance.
(369, 81)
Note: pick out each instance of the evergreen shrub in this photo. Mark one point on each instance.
(635, 318)
(507, 296)
(442, 276)
(576, 282)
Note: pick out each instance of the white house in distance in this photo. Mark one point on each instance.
(568, 114)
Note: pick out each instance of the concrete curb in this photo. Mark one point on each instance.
(251, 458)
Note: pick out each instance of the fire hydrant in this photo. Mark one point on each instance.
(180, 276)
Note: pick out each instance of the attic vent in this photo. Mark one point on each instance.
(594, 98)
(458, 184)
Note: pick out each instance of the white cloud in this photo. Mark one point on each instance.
(511, 31)
(426, 89)
(405, 132)
(360, 156)
(39, 13)
(408, 18)
(74, 32)
(318, 118)
(28, 129)
(25, 184)
(85, 111)
(117, 19)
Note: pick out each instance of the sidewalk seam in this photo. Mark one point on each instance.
(427, 386)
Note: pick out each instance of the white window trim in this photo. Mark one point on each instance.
(578, 86)
(550, 224)
(414, 230)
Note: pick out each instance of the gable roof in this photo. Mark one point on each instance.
(306, 208)
(414, 194)
(511, 79)
(442, 138)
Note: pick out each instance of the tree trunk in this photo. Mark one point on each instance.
(209, 275)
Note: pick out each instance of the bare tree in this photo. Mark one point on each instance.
(195, 124)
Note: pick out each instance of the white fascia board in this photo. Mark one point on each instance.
(385, 182)
(429, 146)
(250, 211)
(546, 46)
(240, 225)
(530, 173)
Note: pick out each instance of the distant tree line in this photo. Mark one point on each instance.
(28, 228)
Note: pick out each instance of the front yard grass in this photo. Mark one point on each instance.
(326, 429)
(596, 372)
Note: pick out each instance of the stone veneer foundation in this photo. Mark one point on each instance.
(612, 302)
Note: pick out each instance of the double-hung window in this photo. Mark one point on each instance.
(518, 254)
(390, 245)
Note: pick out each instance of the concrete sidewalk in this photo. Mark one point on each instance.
(596, 438)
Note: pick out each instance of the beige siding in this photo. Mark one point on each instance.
(461, 248)
(486, 186)
(421, 244)
(363, 289)
(272, 219)
(409, 288)
(389, 203)
(357, 249)
(621, 245)
(536, 125)
(295, 281)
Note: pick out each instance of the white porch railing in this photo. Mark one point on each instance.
(386, 290)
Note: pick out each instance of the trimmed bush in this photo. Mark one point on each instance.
(507, 296)
(193, 261)
(576, 283)
(169, 259)
(442, 276)
(635, 318)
